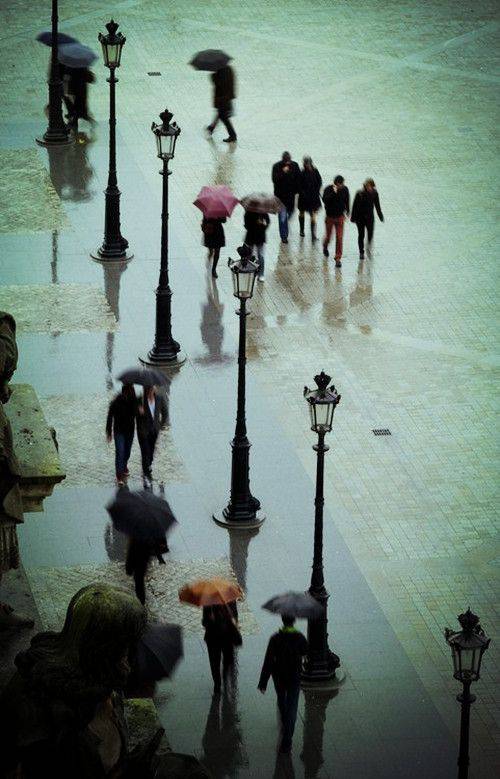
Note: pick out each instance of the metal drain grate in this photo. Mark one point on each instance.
(381, 431)
(154, 73)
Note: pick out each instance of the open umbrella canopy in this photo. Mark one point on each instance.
(76, 55)
(210, 592)
(141, 515)
(216, 202)
(295, 604)
(158, 651)
(146, 377)
(210, 59)
(262, 203)
(46, 38)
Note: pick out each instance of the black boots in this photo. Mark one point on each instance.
(313, 231)
(301, 225)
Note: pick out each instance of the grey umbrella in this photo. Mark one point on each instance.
(147, 377)
(295, 604)
(262, 203)
(46, 38)
(210, 59)
(76, 55)
(158, 651)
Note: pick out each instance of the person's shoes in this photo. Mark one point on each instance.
(284, 240)
(126, 472)
(229, 139)
(302, 234)
(362, 256)
(209, 130)
(326, 252)
(11, 619)
(214, 274)
(120, 482)
(338, 264)
(261, 277)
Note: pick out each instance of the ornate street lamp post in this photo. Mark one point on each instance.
(57, 132)
(242, 511)
(114, 246)
(320, 663)
(467, 649)
(166, 351)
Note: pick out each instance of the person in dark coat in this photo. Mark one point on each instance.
(120, 424)
(256, 226)
(78, 80)
(151, 417)
(309, 195)
(139, 553)
(362, 215)
(336, 200)
(214, 239)
(224, 82)
(221, 637)
(286, 179)
(283, 661)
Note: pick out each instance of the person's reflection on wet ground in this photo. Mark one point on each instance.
(115, 543)
(363, 289)
(283, 768)
(112, 279)
(224, 169)
(70, 170)
(335, 305)
(223, 748)
(316, 704)
(211, 327)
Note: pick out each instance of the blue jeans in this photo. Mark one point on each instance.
(258, 252)
(288, 702)
(283, 223)
(123, 445)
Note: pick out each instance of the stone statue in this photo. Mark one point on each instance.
(63, 713)
(11, 506)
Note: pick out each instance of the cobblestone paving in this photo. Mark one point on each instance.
(24, 173)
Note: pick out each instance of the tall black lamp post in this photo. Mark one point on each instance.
(242, 511)
(320, 663)
(114, 246)
(57, 132)
(166, 350)
(467, 649)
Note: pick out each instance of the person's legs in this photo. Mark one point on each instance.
(289, 716)
(146, 455)
(120, 455)
(139, 574)
(328, 233)
(259, 250)
(211, 127)
(214, 656)
(361, 239)
(215, 260)
(283, 224)
(301, 222)
(224, 114)
(369, 231)
(129, 439)
(227, 660)
(313, 226)
(339, 235)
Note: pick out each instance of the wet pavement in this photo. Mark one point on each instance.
(405, 94)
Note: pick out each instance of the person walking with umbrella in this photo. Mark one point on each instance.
(224, 83)
(151, 418)
(216, 203)
(365, 201)
(120, 425)
(286, 180)
(76, 58)
(214, 239)
(336, 200)
(256, 225)
(309, 195)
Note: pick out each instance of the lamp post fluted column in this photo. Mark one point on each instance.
(114, 246)
(57, 132)
(466, 700)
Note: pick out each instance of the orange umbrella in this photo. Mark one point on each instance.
(210, 592)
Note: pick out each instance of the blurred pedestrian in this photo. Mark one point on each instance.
(151, 417)
(283, 661)
(256, 226)
(78, 80)
(365, 201)
(224, 82)
(221, 636)
(120, 425)
(336, 200)
(214, 239)
(286, 179)
(309, 195)
(139, 553)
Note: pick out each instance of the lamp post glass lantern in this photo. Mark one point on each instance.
(114, 246)
(242, 511)
(166, 350)
(467, 648)
(321, 663)
(57, 132)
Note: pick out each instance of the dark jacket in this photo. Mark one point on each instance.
(256, 226)
(283, 660)
(219, 623)
(309, 187)
(362, 208)
(148, 425)
(78, 80)
(286, 184)
(121, 415)
(213, 233)
(224, 86)
(336, 200)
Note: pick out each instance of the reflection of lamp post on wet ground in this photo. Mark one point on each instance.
(166, 351)
(57, 132)
(114, 246)
(467, 649)
(242, 510)
(112, 278)
(321, 663)
(316, 704)
(238, 554)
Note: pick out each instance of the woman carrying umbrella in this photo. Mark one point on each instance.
(213, 239)
(309, 198)
(216, 203)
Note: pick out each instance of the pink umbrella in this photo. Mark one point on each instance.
(216, 201)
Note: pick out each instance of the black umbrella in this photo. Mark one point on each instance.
(76, 55)
(295, 604)
(46, 38)
(210, 59)
(141, 515)
(145, 376)
(158, 651)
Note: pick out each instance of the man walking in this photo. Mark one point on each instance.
(365, 201)
(151, 417)
(286, 180)
(336, 200)
(224, 93)
(120, 425)
(283, 661)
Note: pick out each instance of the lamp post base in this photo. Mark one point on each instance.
(58, 137)
(230, 521)
(323, 684)
(160, 360)
(111, 255)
